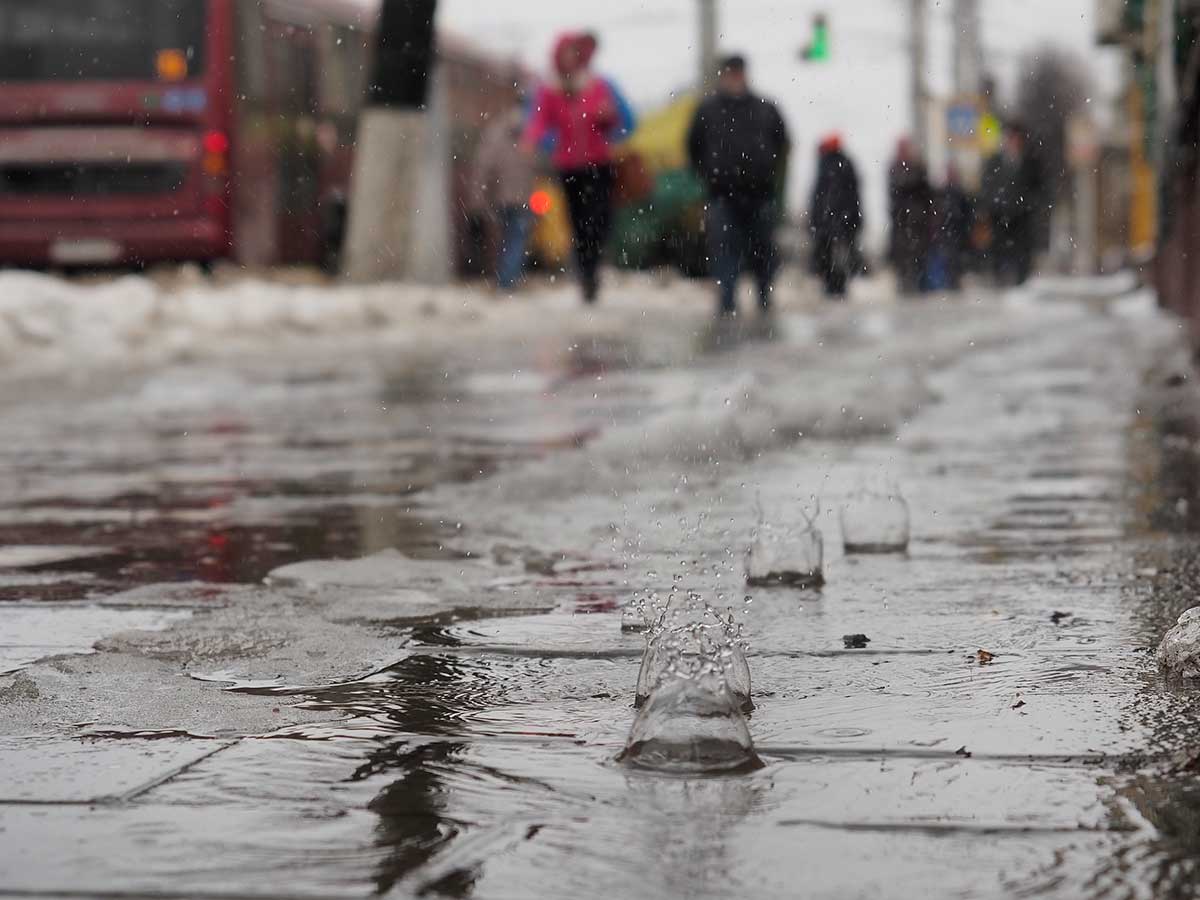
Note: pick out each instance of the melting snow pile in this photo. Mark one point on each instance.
(1179, 653)
(47, 322)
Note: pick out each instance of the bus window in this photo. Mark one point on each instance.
(54, 40)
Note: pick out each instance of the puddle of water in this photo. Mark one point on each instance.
(481, 761)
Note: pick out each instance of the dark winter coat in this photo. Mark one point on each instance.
(835, 210)
(1005, 190)
(910, 199)
(738, 145)
(953, 218)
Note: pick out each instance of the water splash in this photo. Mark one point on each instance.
(875, 520)
(690, 633)
(782, 554)
(691, 724)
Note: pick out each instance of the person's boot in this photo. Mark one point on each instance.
(591, 287)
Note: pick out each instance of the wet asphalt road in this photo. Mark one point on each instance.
(438, 714)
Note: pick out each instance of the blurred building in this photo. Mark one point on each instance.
(1159, 122)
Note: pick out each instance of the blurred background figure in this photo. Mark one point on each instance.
(504, 176)
(910, 205)
(738, 144)
(835, 217)
(1011, 193)
(953, 217)
(578, 117)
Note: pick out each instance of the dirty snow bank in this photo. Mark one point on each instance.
(49, 323)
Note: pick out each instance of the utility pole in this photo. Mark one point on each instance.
(918, 52)
(393, 140)
(968, 49)
(1164, 83)
(708, 43)
(968, 87)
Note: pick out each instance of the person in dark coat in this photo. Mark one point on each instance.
(738, 145)
(835, 216)
(910, 202)
(953, 212)
(1011, 191)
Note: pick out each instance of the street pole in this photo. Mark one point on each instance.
(1164, 83)
(968, 85)
(392, 145)
(918, 52)
(708, 43)
(968, 49)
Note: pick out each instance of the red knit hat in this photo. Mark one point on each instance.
(581, 42)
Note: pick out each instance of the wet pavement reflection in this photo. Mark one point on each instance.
(1001, 733)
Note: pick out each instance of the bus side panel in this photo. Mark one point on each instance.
(255, 183)
(221, 89)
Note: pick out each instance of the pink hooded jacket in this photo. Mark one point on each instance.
(582, 125)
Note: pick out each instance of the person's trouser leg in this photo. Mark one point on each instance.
(515, 223)
(602, 211)
(589, 202)
(1023, 242)
(760, 245)
(1002, 249)
(724, 251)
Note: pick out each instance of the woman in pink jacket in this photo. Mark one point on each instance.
(577, 120)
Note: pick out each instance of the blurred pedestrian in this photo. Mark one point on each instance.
(910, 201)
(1011, 192)
(578, 118)
(834, 217)
(738, 144)
(503, 177)
(953, 217)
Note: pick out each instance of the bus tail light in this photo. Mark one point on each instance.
(216, 153)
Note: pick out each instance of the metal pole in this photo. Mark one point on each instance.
(918, 51)
(968, 49)
(1086, 205)
(708, 43)
(968, 85)
(1164, 83)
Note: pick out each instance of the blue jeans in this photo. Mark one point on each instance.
(515, 224)
(741, 235)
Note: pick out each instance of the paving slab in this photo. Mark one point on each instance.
(38, 770)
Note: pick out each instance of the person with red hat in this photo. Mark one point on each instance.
(834, 216)
(578, 119)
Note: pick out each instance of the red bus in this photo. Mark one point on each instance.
(135, 131)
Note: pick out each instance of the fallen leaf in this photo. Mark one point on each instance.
(855, 641)
(963, 751)
(984, 657)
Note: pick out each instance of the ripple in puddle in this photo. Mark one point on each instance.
(845, 733)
